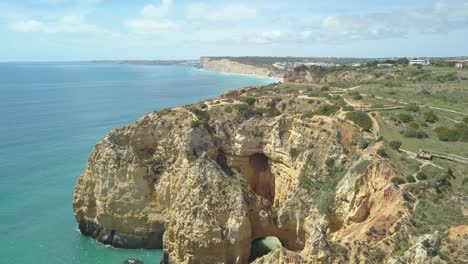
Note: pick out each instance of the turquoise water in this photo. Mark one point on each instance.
(51, 116)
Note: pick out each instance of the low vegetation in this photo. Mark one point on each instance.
(361, 119)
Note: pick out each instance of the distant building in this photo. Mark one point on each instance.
(419, 62)
(384, 65)
(459, 65)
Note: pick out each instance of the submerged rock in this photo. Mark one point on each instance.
(133, 261)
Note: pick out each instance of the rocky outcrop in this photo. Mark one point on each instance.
(229, 66)
(203, 183)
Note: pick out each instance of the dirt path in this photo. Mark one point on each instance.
(428, 106)
(412, 155)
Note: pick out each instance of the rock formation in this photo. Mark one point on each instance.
(204, 181)
(229, 66)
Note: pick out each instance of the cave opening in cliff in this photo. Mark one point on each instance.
(262, 246)
(259, 176)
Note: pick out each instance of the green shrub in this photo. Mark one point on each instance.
(395, 144)
(250, 100)
(410, 179)
(412, 107)
(355, 95)
(348, 108)
(330, 162)
(293, 152)
(363, 144)
(361, 119)
(240, 107)
(326, 202)
(405, 118)
(195, 123)
(414, 125)
(412, 133)
(325, 88)
(327, 110)
(228, 109)
(421, 176)
(430, 117)
(446, 77)
(308, 114)
(382, 153)
(398, 180)
(259, 112)
(446, 134)
(377, 255)
(465, 120)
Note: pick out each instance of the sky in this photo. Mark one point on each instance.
(61, 30)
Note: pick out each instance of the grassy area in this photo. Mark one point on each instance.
(389, 131)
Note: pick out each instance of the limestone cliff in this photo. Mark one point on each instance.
(204, 181)
(230, 66)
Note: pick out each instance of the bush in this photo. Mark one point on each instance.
(412, 107)
(430, 117)
(355, 95)
(421, 176)
(398, 180)
(325, 88)
(363, 144)
(308, 114)
(240, 107)
(259, 112)
(293, 152)
(250, 100)
(410, 179)
(195, 123)
(412, 133)
(228, 109)
(446, 134)
(414, 125)
(327, 110)
(382, 153)
(361, 119)
(405, 118)
(395, 144)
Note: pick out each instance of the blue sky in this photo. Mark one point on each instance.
(49, 30)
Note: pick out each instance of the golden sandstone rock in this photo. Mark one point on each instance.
(205, 192)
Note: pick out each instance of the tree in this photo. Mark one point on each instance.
(402, 61)
(395, 144)
(430, 117)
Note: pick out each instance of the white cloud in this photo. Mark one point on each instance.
(227, 13)
(441, 17)
(270, 36)
(152, 20)
(26, 26)
(157, 11)
(148, 26)
(66, 24)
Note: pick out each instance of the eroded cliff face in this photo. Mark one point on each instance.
(204, 181)
(229, 66)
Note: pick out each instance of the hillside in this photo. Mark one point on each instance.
(297, 162)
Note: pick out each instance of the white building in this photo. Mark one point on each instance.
(459, 65)
(419, 62)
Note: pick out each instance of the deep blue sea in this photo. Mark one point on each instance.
(51, 116)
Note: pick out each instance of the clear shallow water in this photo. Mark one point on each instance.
(51, 116)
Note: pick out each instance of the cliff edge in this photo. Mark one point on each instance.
(206, 181)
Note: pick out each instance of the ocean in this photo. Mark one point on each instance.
(51, 116)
